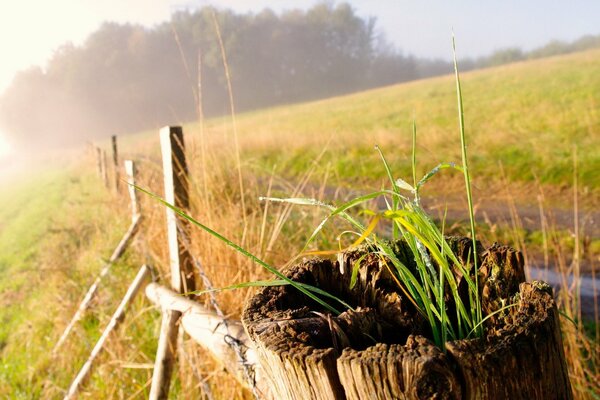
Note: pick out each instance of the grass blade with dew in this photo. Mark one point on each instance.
(416, 289)
(355, 268)
(242, 285)
(395, 189)
(463, 143)
(361, 238)
(414, 153)
(418, 228)
(273, 282)
(340, 210)
(435, 170)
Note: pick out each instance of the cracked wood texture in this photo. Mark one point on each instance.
(382, 349)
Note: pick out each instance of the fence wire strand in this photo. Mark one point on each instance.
(238, 347)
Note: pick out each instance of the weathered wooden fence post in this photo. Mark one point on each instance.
(182, 274)
(383, 349)
(115, 155)
(130, 172)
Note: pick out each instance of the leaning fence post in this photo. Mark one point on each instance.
(118, 316)
(136, 218)
(130, 172)
(89, 296)
(182, 275)
(115, 155)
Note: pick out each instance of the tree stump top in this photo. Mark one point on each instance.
(382, 348)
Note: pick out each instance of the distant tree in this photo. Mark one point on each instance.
(553, 48)
(126, 77)
(505, 56)
(586, 42)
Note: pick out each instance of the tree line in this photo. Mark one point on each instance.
(126, 78)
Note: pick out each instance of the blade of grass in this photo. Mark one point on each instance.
(435, 170)
(341, 210)
(463, 144)
(355, 269)
(273, 282)
(240, 249)
(414, 153)
(395, 189)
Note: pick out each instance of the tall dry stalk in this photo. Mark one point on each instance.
(582, 352)
(186, 67)
(576, 253)
(233, 118)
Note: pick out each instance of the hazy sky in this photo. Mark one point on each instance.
(31, 30)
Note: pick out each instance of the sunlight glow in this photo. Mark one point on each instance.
(5, 147)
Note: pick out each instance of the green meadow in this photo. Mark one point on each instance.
(527, 116)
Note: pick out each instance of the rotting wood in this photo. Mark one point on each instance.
(381, 350)
(130, 172)
(141, 277)
(523, 356)
(182, 274)
(207, 329)
(89, 296)
(416, 370)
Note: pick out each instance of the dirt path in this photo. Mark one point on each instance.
(492, 211)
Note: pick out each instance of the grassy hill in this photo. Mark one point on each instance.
(529, 116)
(56, 229)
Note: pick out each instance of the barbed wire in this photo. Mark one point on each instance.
(238, 347)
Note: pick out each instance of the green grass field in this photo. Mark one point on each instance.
(527, 116)
(56, 228)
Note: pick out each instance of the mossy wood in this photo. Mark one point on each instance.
(382, 349)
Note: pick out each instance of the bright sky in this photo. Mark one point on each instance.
(31, 30)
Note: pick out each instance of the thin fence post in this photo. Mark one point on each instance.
(182, 276)
(103, 167)
(130, 173)
(115, 155)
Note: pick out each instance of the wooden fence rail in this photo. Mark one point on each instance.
(213, 333)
